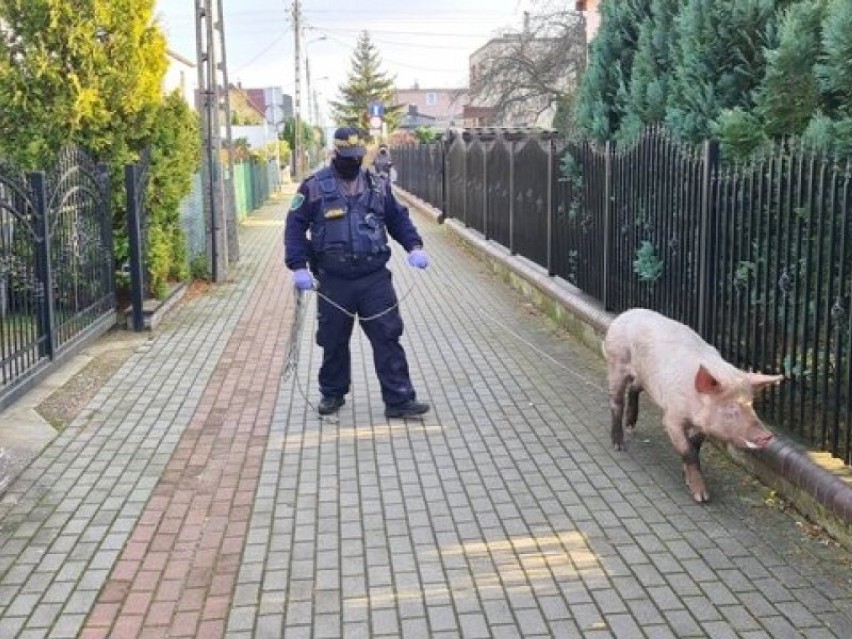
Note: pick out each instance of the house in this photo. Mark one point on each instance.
(181, 74)
(494, 75)
(480, 113)
(412, 119)
(244, 109)
(255, 107)
(276, 105)
(434, 107)
(591, 12)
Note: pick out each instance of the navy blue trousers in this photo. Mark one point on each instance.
(365, 296)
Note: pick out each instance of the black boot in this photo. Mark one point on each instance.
(411, 408)
(330, 404)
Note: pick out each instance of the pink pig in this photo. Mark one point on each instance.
(699, 393)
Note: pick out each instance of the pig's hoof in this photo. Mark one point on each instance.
(699, 492)
(695, 484)
(701, 497)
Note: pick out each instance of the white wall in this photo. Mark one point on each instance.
(181, 75)
(258, 135)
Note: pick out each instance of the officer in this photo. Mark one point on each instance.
(349, 212)
(383, 163)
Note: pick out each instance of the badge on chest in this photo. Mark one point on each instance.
(332, 214)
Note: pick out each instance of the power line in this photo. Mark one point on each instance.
(260, 53)
(424, 34)
(387, 60)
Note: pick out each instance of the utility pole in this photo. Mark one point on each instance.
(297, 111)
(211, 171)
(228, 183)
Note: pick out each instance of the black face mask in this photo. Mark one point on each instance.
(347, 168)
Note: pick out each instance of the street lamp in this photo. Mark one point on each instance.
(313, 98)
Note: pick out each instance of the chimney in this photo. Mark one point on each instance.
(526, 23)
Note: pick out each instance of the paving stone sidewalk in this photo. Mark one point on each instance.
(199, 494)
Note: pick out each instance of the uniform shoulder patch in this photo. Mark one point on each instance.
(297, 201)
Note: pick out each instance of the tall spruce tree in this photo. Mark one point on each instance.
(718, 59)
(366, 83)
(789, 93)
(834, 69)
(651, 75)
(604, 91)
(831, 128)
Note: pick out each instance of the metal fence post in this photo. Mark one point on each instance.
(106, 219)
(464, 184)
(46, 314)
(444, 189)
(134, 238)
(707, 238)
(485, 151)
(550, 225)
(607, 223)
(511, 246)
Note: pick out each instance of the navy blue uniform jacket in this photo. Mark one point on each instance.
(307, 206)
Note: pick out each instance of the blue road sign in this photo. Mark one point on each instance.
(376, 109)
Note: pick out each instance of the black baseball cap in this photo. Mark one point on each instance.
(348, 142)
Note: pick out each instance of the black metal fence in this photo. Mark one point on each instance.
(56, 267)
(757, 257)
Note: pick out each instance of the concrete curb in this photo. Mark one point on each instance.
(823, 496)
(154, 310)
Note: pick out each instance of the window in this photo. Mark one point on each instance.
(431, 99)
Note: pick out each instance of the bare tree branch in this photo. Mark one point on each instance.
(522, 74)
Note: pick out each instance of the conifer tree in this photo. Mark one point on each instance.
(87, 72)
(834, 69)
(604, 91)
(366, 83)
(831, 128)
(175, 157)
(789, 93)
(718, 61)
(651, 75)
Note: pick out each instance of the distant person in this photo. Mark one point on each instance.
(349, 213)
(383, 164)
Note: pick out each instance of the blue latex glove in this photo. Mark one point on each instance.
(303, 279)
(418, 258)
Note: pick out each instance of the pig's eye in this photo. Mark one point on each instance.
(731, 410)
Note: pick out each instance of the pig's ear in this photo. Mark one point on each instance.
(759, 381)
(705, 382)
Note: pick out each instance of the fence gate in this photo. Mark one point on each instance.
(57, 287)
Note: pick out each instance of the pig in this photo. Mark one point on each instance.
(699, 393)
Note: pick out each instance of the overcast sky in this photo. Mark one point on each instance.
(419, 41)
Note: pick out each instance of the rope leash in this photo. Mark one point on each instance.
(302, 302)
(369, 318)
(481, 312)
(291, 366)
